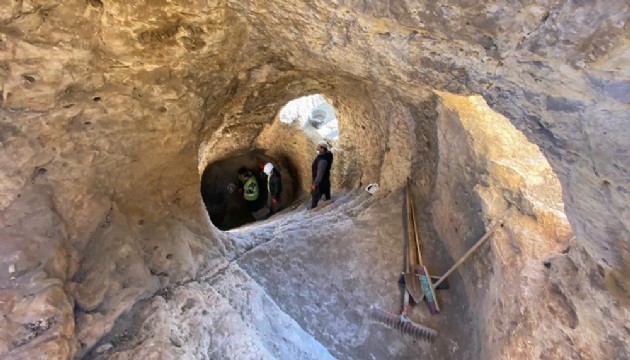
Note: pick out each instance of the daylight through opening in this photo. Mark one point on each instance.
(310, 113)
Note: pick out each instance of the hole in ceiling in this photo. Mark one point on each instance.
(312, 112)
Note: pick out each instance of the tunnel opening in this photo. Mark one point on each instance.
(469, 167)
(222, 189)
(295, 134)
(313, 114)
(116, 219)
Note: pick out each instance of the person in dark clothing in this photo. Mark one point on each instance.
(274, 188)
(321, 173)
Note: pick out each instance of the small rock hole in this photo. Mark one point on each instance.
(601, 271)
(169, 256)
(96, 98)
(39, 171)
(95, 3)
(545, 17)
(87, 123)
(28, 78)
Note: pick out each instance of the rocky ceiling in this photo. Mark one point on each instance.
(110, 110)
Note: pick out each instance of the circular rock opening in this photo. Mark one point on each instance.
(222, 194)
(312, 112)
(114, 227)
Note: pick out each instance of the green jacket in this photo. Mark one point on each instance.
(251, 189)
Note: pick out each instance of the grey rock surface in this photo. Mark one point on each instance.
(110, 110)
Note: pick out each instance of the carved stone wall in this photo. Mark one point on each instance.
(110, 110)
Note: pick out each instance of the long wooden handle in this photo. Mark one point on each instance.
(408, 253)
(411, 216)
(415, 230)
(472, 249)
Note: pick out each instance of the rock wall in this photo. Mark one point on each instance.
(35, 268)
(538, 64)
(110, 110)
(519, 284)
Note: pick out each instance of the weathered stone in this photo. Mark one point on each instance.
(40, 322)
(111, 110)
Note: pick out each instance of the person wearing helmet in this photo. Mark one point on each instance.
(249, 187)
(274, 188)
(321, 173)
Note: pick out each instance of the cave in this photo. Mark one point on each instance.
(226, 208)
(123, 123)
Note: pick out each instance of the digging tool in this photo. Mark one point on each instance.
(443, 279)
(469, 252)
(412, 283)
(444, 285)
(402, 322)
(420, 271)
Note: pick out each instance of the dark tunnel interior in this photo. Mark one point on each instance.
(227, 207)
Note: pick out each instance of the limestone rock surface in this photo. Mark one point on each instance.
(110, 110)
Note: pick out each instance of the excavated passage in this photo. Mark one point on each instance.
(222, 193)
(126, 117)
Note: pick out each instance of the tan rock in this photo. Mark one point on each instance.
(111, 110)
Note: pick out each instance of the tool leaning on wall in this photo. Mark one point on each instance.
(412, 288)
(417, 281)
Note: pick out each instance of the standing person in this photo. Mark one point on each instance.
(249, 186)
(321, 173)
(274, 188)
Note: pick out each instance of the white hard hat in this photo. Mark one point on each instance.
(267, 169)
(323, 143)
(372, 188)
